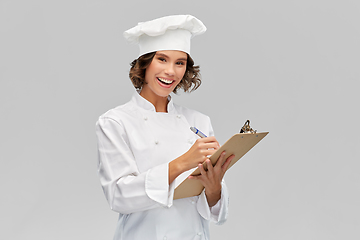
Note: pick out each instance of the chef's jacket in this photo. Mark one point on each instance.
(135, 146)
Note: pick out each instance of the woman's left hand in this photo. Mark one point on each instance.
(211, 179)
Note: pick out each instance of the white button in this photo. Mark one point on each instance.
(145, 118)
(165, 238)
(156, 142)
(178, 116)
(199, 233)
(193, 202)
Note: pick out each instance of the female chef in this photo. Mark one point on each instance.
(146, 145)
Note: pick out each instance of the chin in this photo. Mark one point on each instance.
(164, 94)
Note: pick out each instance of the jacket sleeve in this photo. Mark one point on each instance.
(125, 188)
(219, 212)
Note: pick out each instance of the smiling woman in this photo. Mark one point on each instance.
(190, 82)
(163, 74)
(146, 144)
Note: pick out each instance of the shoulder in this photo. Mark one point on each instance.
(192, 116)
(120, 113)
(188, 111)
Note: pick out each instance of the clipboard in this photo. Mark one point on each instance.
(239, 144)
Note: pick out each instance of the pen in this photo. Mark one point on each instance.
(198, 132)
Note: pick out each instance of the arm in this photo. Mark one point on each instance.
(125, 188)
(196, 155)
(214, 200)
(219, 212)
(212, 178)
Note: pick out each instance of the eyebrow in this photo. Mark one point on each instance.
(164, 55)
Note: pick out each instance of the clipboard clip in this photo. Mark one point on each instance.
(246, 128)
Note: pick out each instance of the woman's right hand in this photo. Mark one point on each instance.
(198, 153)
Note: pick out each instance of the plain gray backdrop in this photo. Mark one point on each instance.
(291, 67)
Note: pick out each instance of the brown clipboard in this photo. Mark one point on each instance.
(239, 144)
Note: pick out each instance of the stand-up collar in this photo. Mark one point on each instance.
(145, 104)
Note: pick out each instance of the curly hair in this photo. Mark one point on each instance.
(190, 82)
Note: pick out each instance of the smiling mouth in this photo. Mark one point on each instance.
(165, 81)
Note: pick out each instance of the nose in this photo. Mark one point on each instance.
(170, 70)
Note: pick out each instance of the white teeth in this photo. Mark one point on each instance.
(165, 80)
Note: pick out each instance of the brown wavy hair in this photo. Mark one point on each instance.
(190, 82)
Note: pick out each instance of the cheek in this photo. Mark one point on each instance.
(149, 72)
(146, 76)
(151, 69)
(181, 73)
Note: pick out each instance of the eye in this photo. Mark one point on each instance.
(180, 63)
(162, 59)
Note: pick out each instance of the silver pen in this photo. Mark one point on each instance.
(198, 132)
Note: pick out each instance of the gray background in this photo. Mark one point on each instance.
(292, 67)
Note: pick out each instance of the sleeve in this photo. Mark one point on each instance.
(219, 212)
(125, 188)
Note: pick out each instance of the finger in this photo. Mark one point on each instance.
(202, 170)
(194, 177)
(209, 167)
(207, 144)
(227, 163)
(221, 160)
(209, 140)
(209, 152)
(214, 145)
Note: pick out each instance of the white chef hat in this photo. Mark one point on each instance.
(166, 33)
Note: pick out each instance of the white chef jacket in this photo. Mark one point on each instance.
(135, 145)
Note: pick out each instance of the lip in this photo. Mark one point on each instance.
(163, 84)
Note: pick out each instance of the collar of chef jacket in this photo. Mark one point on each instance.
(145, 104)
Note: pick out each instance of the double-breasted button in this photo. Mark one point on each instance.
(145, 118)
(199, 233)
(178, 116)
(156, 142)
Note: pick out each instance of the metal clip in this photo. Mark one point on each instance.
(246, 128)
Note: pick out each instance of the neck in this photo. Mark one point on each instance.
(160, 103)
